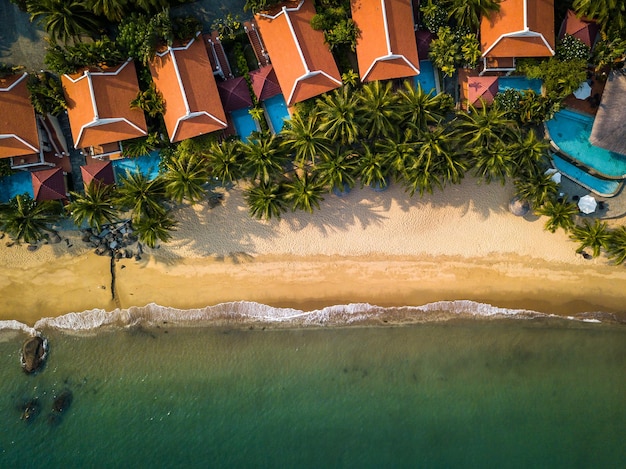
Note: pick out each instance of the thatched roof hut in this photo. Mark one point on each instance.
(608, 127)
(519, 207)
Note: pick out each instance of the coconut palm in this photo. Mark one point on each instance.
(113, 10)
(617, 245)
(266, 200)
(422, 109)
(536, 187)
(610, 14)
(527, 152)
(140, 146)
(493, 163)
(304, 192)
(143, 196)
(594, 235)
(467, 13)
(305, 139)
(336, 171)
(560, 214)
(63, 19)
(380, 116)
(399, 153)
(25, 219)
(480, 127)
(186, 177)
(264, 158)
(95, 206)
(225, 161)
(154, 227)
(339, 115)
(372, 169)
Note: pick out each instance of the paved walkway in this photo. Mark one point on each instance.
(77, 159)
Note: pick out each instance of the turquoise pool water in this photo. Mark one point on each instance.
(15, 184)
(426, 78)
(243, 122)
(148, 165)
(519, 83)
(570, 131)
(603, 187)
(276, 110)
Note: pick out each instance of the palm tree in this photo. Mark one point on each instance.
(63, 19)
(528, 152)
(422, 109)
(225, 161)
(96, 206)
(25, 219)
(536, 187)
(263, 158)
(493, 163)
(336, 171)
(154, 227)
(399, 153)
(140, 146)
(480, 127)
(561, 214)
(467, 13)
(372, 169)
(113, 10)
(304, 192)
(149, 101)
(610, 14)
(339, 114)
(265, 200)
(305, 138)
(617, 245)
(595, 236)
(142, 196)
(186, 177)
(380, 116)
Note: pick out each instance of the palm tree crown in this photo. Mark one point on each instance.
(95, 206)
(25, 219)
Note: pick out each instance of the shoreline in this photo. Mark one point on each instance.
(384, 249)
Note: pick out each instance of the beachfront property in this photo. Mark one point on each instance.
(522, 28)
(98, 107)
(386, 47)
(303, 63)
(192, 103)
(29, 140)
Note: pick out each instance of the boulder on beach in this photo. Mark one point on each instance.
(33, 354)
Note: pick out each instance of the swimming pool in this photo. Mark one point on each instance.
(148, 165)
(519, 83)
(16, 184)
(244, 123)
(426, 78)
(570, 131)
(602, 187)
(276, 110)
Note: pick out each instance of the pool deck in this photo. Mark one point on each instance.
(586, 106)
(614, 207)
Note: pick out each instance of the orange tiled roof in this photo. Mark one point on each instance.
(99, 106)
(18, 124)
(303, 63)
(192, 102)
(386, 48)
(522, 28)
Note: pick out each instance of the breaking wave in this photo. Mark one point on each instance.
(243, 313)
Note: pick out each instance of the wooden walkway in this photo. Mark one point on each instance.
(254, 37)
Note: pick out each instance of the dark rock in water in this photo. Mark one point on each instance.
(62, 402)
(32, 247)
(33, 354)
(30, 409)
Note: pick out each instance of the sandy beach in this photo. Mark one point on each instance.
(381, 248)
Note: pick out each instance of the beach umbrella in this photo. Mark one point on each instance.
(587, 204)
(556, 176)
(583, 91)
(519, 207)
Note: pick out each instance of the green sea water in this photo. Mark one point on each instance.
(481, 393)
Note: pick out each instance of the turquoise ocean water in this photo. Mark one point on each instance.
(531, 392)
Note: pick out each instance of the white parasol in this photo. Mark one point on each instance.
(587, 204)
(583, 91)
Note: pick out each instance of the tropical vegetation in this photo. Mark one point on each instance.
(27, 220)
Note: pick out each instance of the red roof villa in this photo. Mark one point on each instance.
(386, 48)
(522, 28)
(99, 109)
(192, 102)
(302, 61)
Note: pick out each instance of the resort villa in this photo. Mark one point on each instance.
(98, 106)
(301, 59)
(386, 48)
(184, 77)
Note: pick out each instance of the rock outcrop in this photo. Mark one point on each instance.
(33, 354)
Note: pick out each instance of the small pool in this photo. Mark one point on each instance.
(244, 123)
(519, 83)
(570, 132)
(427, 78)
(276, 110)
(16, 184)
(148, 165)
(602, 187)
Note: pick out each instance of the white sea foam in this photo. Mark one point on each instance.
(13, 325)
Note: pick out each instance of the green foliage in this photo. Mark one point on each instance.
(140, 146)
(610, 51)
(572, 48)
(228, 27)
(8, 69)
(470, 50)
(333, 17)
(304, 192)
(340, 115)
(46, 94)
(140, 35)
(25, 219)
(594, 235)
(380, 116)
(304, 138)
(467, 13)
(536, 187)
(5, 167)
(155, 227)
(95, 207)
(434, 16)
(610, 14)
(560, 214)
(64, 19)
(266, 200)
(186, 177)
(526, 107)
(112, 10)
(256, 6)
(445, 51)
(70, 59)
(337, 169)
(142, 196)
(617, 245)
(150, 101)
(186, 28)
(264, 158)
(560, 78)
